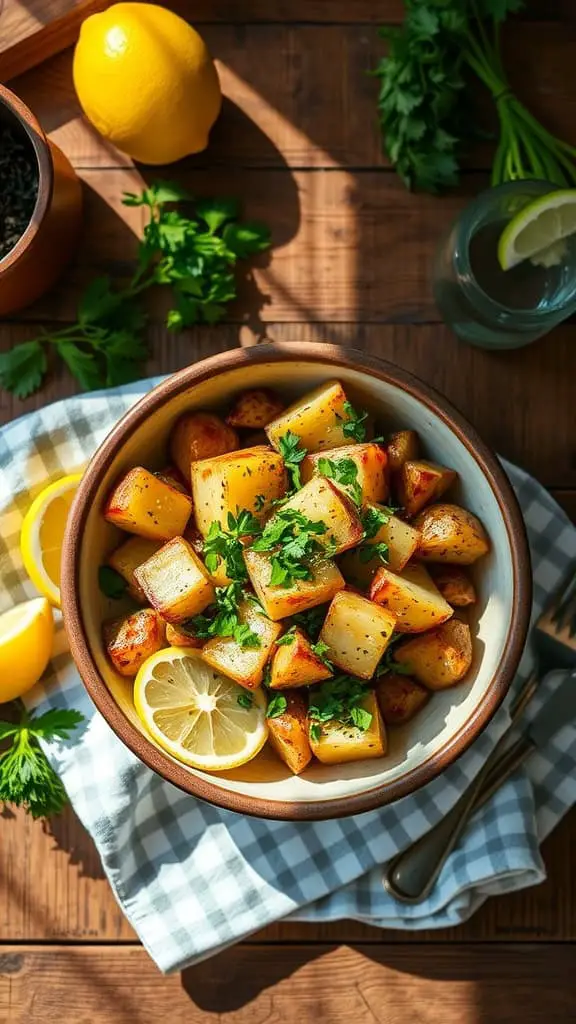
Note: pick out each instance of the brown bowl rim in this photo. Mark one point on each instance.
(375, 796)
(41, 148)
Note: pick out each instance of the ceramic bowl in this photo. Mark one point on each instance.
(451, 720)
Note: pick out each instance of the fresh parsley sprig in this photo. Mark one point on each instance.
(277, 705)
(226, 545)
(26, 777)
(311, 621)
(343, 472)
(293, 540)
(338, 700)
(193, 253)
(355, 425)
(293, 453)
(223, 619)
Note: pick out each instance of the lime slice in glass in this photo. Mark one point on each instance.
(539, 232)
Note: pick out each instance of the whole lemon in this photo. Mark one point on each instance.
(146, 81)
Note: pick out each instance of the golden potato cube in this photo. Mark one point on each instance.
(244, 664)
(454, 584)
(140, 503)
(402, 541)
(130, 640)
(439, 658)
(128, 557)
(338, 743)
(402, 447)
(278, 601)
(317, 419)
(288, 734)
(255, 408)
(178, 638)
(370, 461)
(175, 581)
(357, 632)
(418, 483)
(412, 597)
(200, 435)
(295, 664)
(249, 479)
(399, 698)
(449, 533)
(320, 501)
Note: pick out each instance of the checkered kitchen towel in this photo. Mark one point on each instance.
(193, 879)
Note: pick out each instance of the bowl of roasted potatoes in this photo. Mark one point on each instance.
(295, 581)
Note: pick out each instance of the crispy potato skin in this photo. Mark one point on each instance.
(128, 557)
(439, 658)
(317, 419)
(449, 533)
(279, 602)
(244, 664)
(236, 481)
(296, 664)
(255, 408)
(140, 503)
(339, 743)
(399, 698)
(321, 501)
(177, 638)
(176, 583)
(199, 435)
(288, 733)
(130, 640)
(412, 597)
(402, 446)
(371, 462)
(454, 584)
(357, 633)
(418, 482)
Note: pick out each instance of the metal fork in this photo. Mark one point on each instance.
(411, 876)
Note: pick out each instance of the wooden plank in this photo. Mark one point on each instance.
(301, 95)
(292, 983)
(33, 31)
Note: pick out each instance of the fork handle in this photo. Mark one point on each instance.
(411, 876)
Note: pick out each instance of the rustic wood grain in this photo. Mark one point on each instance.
(385, 985)
(34, 30)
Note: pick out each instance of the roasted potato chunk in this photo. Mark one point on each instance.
(402, 447)
(412, 597)
(321, 501)
(401, 540)
(335, 743)
(140, 503)
(128, 557)
(454, 584)
(357, 632)
(439, 658)
(200, 435)
(249, 479)
(255, 408)
(175, 581)
(418, 483)
(317, 419)
(244, 664)
(288, 734)
(449, 533)
(130, 640)
(294, 663)
(277, 601)
(399, 698)
(370, 461)
(178, 638)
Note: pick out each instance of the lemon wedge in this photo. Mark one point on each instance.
(43, 532)
(539, 230)
(197, 715)
(26, 634)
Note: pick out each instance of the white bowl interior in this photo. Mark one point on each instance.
(446, 714)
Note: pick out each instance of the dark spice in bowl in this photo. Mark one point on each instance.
(18, 187)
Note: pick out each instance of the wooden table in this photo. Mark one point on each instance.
(298, 141)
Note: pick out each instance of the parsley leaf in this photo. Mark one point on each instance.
(320, 649)
(343, 472)
(26, 777)
(373, 519)
(293, 453)
(292, 539)
(315, 731)
(354, 427)
(245, 700)
(111, 583)
(223, 619)
(311, 621)
(340, 700)
(226, 545)
(276, 705)
(286, 639)
(23, 367)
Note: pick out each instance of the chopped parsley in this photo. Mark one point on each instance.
(111, 583)
(344, 472)
(387, 662)
(226, 545)
(287, 638)
(293, 453)
(366, 552)
(311, 621)
(320, 649)
(245, 700)
(223, 619)
(276, 705)
(373, 519)
(355, 425)
(292, 539)
(339, 700)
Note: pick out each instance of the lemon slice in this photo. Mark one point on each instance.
(43, 532)
(539, 231)
(26, 634)
(197, 715)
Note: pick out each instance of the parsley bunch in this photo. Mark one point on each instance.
(226, 545)
(339, 700)
(26, 777)
(424, 110)
(193, 253)
(223, 619)
(292, 538)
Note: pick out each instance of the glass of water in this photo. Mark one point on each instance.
(496, 308)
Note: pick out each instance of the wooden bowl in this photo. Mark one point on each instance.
(451, 720)
(35, 263)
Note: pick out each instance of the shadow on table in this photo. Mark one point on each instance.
(70, 835)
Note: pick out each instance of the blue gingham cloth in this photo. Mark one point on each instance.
(193, 879)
